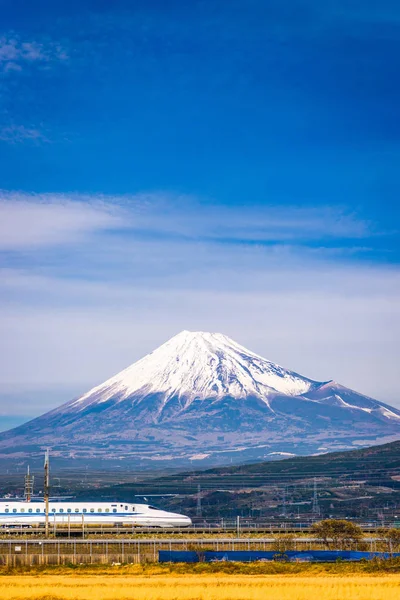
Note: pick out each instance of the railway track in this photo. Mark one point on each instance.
(62, 530)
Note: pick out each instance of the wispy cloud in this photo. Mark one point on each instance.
(29, 221)
(48, 219)
(19, 55)
(189, 217)
(16, 54)
(19, 133)
(105, 279)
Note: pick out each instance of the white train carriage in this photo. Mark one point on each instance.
(110, 513)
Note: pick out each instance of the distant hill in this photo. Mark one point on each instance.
(374, 467)
(371, 462)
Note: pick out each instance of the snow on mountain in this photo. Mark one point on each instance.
(202, 396)
(337, 395)
(199, 365)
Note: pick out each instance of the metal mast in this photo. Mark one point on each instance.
(46, 491)
(283, 513)
(198, 504)
(315, 505)
(28, 486)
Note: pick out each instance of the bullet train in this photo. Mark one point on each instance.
(31, 513)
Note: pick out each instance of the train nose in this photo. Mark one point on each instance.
(184, 521)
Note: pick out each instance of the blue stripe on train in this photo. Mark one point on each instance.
(65, 514)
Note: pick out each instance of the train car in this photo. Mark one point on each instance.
(111, 513)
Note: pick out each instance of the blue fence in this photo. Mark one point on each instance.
(177, 556)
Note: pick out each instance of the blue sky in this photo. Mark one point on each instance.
(217, 165)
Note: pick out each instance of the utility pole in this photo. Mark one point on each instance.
(46, 491)
(315, 505)
(28, 486)
(198, 503)
(283, 514)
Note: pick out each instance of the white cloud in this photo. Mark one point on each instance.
(34, 221)
(12, 66)
(20, 133)
(189, 217)
(45, 218)
(97, 282)
(15, 53)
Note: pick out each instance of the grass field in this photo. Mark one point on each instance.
(199, 587)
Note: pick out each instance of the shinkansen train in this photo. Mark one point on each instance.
(110, 513)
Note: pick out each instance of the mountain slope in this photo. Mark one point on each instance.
(355, 483)
(375, 465)
(202, 396)
(192, 367)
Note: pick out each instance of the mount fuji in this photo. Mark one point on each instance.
(203, 397)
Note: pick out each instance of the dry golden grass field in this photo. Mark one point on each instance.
(220, 586)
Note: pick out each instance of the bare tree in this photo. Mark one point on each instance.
(284, 542)
(390, 539)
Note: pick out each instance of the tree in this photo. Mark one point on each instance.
(391, 539)
(284, 542)
(337, 533)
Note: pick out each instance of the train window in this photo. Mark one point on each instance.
(84, 510)
(53, 510)
(126, 508)
(107, 510)
(30, 510)
(153, 507)
(114, 510)
(7, 510)
(77, 510)
(38, 510)
(22, 510)
(14, 510)
(99, 510)
(69, 510)
(92, 510)
(61, 510)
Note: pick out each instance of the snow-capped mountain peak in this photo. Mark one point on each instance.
(200, 365)
(202, 396)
